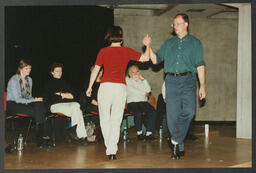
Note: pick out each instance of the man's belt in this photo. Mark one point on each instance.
(178, 74)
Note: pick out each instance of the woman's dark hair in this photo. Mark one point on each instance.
(54, 65)
(114, 34)
(23, 63)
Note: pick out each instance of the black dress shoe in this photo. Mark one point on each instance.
(140, 137)
(72, 132)
(10, 149)
(82, 141)
(175, 151)
(42, 143)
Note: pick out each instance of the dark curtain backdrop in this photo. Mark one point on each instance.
(70, 35)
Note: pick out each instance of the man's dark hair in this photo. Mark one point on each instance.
(55, 65)
(184, 17)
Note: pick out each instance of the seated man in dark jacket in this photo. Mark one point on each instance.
(60, 99)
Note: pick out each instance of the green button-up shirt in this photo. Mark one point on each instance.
(181, 55)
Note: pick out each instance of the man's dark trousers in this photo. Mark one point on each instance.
(180, 105)
(138, 108)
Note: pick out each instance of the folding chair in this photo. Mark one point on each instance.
(53, 117)
(15, 116)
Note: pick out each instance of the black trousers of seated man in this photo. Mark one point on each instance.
(139, 108)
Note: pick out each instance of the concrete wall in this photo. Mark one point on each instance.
(244, 74)
(219, 38)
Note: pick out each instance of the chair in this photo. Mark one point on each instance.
(53, 117)
(16, 116)
(125, 121)
(151, 101)
(90, 115)
(89, 112)
(93, 116)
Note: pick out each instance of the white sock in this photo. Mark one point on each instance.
(148, 133)
(139, 132)
(174, 142)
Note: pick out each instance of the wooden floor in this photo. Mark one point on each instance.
(219, 150)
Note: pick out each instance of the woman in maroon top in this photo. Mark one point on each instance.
(112, 91)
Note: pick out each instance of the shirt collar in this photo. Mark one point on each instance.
(183, 38)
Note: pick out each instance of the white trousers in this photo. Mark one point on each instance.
(111, 100)
(72, 109)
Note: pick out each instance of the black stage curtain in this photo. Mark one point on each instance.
(72, 35)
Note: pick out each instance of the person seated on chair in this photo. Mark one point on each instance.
(93, 100)
(89, 107)
(60, 99)
(20, 100)
(90, 104)
(137, 91)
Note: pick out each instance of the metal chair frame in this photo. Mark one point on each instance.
(17, 116)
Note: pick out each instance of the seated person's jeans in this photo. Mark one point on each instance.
(138, 109)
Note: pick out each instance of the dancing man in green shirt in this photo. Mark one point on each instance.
(183, 60)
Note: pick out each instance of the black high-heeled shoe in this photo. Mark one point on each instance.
(112, 157)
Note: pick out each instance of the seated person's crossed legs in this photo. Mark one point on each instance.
(59, 98)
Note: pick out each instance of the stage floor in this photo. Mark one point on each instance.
(220, 150)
